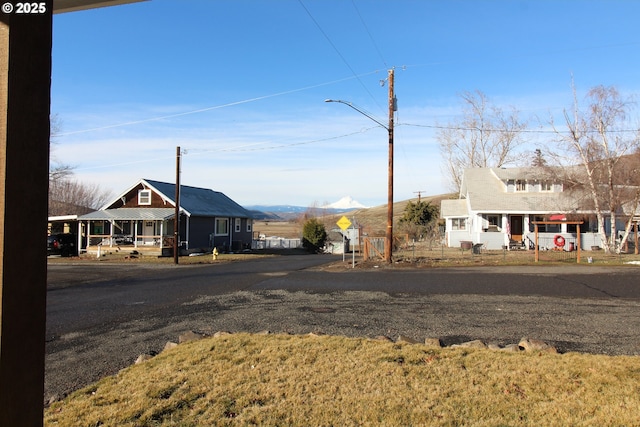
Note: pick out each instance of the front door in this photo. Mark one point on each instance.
(515, 225)
(149, 232)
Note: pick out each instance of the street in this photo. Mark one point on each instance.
(100, 317)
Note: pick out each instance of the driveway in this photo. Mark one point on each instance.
(101, 317)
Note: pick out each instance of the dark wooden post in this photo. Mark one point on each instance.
(25, 87)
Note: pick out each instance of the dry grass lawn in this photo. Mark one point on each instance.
(244, 379)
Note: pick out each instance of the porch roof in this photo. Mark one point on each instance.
(453, 208)
(130, 214)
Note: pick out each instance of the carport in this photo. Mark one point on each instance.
(25, 98)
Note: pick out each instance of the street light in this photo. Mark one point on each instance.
(349, 104)
(388, 242)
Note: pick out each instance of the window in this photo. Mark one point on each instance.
(248, 226)
(521, 185)
(546, 186)
(238, 225)
(493, 220)
(144, 197)
(542, 228)
(458, 223)
(222, 226)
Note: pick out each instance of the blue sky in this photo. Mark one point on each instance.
(239, 85)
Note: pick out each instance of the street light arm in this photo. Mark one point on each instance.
(348, 104)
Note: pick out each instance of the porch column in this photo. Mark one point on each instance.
(25, 86)
(135, 235)
(79, 237)
(187, 231)
(505, 229)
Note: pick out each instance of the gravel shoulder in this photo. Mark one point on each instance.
(590, 325)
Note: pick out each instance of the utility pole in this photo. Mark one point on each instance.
(388, 242)
(176, 218)
(419, 193)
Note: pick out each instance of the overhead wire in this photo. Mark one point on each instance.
(364, 24)
(215, 107)
(535, 131)
(317, 24)
(241, 148)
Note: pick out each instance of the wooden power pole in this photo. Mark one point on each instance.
(388, 241)
(176, 218)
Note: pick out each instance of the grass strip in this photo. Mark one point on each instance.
(245, 379)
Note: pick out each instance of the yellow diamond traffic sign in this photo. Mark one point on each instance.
(344, 223)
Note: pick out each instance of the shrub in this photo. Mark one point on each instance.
(314, 235)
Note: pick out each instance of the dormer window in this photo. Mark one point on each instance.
(144, 197)
(521, 185)
(546, 186)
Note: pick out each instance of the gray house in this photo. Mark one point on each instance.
(142, 217)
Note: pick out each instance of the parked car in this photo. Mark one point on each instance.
(63, 244)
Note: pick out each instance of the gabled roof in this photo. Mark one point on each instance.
(194, 201)
(486, 191)
(197, 201)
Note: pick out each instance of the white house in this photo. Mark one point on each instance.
(498, 208)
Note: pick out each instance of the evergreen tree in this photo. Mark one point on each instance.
(314, 235)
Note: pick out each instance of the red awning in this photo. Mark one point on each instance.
(558, 217)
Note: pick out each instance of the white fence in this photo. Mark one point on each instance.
(276, 243)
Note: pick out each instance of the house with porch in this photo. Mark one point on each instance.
(499, 208)
(142, 218)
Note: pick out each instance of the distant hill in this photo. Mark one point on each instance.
(374, 217)
(288, 212)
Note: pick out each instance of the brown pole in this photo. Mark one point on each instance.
(537, 250)
(388, 241)
(176, 217)
(25, 98)
(579, 244)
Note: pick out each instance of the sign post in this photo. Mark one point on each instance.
(344, 224)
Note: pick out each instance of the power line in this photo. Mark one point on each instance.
(215, 107)
(369, 33)
(534, 131)
(338, 52)
(242, 148)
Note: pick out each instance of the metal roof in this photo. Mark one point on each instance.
(197, 201)
(130, 214)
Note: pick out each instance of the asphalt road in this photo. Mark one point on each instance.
(100, 317)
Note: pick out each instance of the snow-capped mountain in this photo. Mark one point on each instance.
(285, 212)
(346, 202)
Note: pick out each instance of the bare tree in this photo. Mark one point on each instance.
(73, 197)
(486, 136)
(67, 196)
(57, 170)
(597, 140)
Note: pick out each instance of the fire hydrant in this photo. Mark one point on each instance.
(215, 253)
